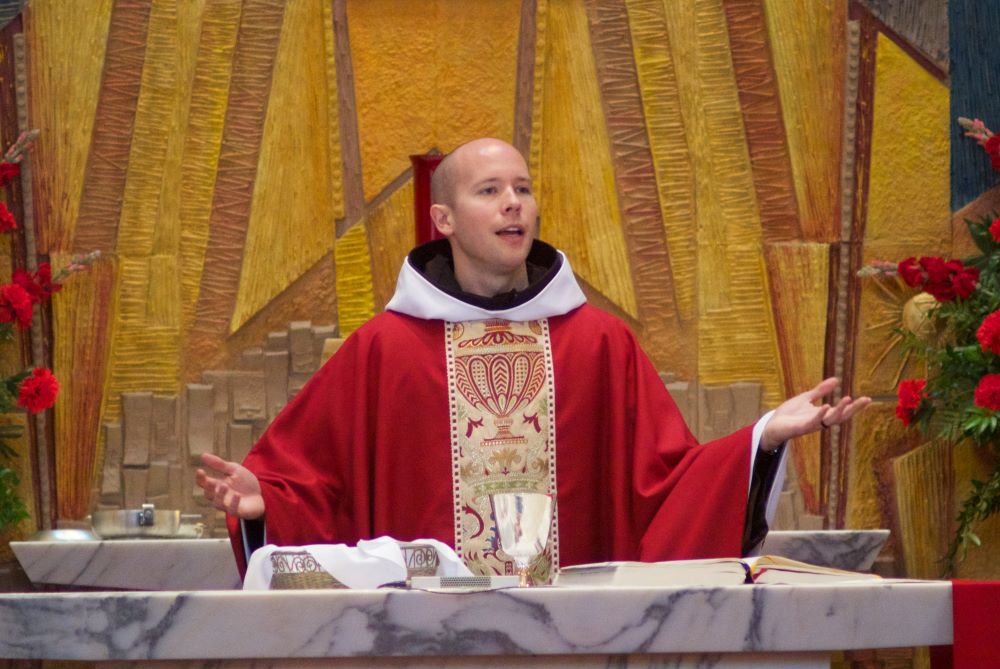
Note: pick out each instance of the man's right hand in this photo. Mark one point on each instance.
(237, 492)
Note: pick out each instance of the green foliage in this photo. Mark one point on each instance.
(12, 507)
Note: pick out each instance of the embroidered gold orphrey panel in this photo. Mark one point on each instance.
(502, 403)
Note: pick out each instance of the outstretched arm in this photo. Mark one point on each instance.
(237, 492)
(798, 415)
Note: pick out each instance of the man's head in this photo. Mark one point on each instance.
(483, 204)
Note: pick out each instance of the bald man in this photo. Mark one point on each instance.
(489, 372)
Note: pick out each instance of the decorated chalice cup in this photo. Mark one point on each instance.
(523, 521)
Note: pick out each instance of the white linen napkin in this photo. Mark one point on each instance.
(368, 565)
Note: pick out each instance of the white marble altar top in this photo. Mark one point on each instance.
(208, 564)
(542, 621)
(131, 564)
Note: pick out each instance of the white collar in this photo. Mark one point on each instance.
(416, 296)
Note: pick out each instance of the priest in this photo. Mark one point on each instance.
(489, 372)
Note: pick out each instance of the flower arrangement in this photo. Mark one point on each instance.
(36, 389)
(957, 334)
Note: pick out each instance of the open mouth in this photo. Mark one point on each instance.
(512, 231)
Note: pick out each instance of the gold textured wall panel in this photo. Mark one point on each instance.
(808, 48)
(67, 43)
(203, 138)
(908, 204)
(291, 217)
(877, 438)
(799, 292)
(574, 174)
(335, 166)
(736, 333)
(434, 73)
(355, 300)
(388, 246)
(668, 144)
(924, 495)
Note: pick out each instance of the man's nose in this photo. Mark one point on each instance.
(511, 202)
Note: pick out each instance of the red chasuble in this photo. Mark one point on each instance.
(365, 449)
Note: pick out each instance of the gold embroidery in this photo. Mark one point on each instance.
(503, 431)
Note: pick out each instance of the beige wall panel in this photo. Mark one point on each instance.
(668, 144)
(736, 333)
(291, 217)
(574, 174)
(428, 74)
(355, 300)
(202, 140)
(390, 238)
(67, 42)
(808, 48)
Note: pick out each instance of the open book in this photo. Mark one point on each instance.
(721, 571)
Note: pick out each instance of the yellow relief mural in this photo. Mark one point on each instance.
(430, 74)
(807, 42)
(67, 43)
(736, 336)
(572, 166)
(355, 302)
(292, 216)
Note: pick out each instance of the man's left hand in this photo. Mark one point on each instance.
(798, 415)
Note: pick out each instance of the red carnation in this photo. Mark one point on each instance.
(911, 394)
(38, 391)
(988, 392)
(995, 230)
(8, 172)
(15, 305)
(7, 220)
(39, 285)
(988, 333)
(910, 271)
(938, 282)
(964, 281)
(992, 147)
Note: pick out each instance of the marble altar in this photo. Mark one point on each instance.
(131, 564)
(207, 564)
(735, 626)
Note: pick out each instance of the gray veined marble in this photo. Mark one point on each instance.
(854, 550)
(132, 564)
(542, 621)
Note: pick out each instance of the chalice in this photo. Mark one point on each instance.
(523, 521)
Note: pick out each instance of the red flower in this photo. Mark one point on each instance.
(964, 281)
(989, 333)
(7, 220)
(8, 171)
(910, 272)
(38, 391)
(39, 285)
(938, 282)
(911, 394)
(15, 305)
(988, 392)
(992, 147)
(995, 230)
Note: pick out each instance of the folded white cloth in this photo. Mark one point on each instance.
(367, 565)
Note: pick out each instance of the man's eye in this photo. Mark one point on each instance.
(488, 190)
(526, 190)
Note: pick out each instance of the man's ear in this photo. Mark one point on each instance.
(441, 215)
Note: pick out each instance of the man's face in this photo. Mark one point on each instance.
(491, 219)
